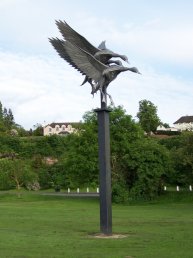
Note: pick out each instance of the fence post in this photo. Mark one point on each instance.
(177, 188)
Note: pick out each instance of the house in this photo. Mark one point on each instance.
(60, 128)
(184, 123)
(163, 128)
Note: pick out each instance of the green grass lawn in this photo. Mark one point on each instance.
(52, 227)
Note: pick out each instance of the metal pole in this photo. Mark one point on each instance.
(105, 170)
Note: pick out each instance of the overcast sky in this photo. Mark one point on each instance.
(40, 87)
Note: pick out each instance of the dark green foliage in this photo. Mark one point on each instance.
(17, 172)
(148, 117)
(6, 120)
(81, 159)
(170, 133)
(165, 125)
(148, 163)
(38, 130)
(9, 144)
(140, 165)
(181, 152)
(45, 146)
(120, 192)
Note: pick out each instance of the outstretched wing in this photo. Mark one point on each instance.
(75, 38)
(102, 45)
(79, 59)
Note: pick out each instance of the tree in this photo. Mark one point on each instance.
(138, 164)
(6, 119)
(38, 130)
(2, 126)
(181, 149)
(17, 171)
(147, 165)
(148, 117)
(1, 111)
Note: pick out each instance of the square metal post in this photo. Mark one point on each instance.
(105, 171)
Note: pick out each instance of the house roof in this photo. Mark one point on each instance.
(184, 119)
(65, 123)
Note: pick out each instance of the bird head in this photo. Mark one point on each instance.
(134, 70)
(125, 59)
(117, 62)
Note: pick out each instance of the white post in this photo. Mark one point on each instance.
(97, 190)
(165, 188)
(78, 190)
(190, 187)
(87, 190)
(177, 188)
(68, 190)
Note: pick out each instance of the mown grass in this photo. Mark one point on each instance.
(54, 226)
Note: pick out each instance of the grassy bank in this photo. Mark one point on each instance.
(52, 227)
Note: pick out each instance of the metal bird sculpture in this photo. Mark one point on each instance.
(88, 65)
(58, 44)
(101, 53)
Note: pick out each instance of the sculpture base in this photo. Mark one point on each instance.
(113, 236)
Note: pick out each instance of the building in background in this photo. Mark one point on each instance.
(60, 128)
(184, 123)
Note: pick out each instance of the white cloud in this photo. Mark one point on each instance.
(39, 89)
(159, 38)
(45, 88)
(161, 43)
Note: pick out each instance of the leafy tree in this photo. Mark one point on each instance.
(6, 119)
(1, 111)
(138, 164)
(147, 165)
(17, 171)
(38, 130)
(21, 131)
(165, 125)
(2, 126)
(148, 117)
(181, 149)
(5, 181)
(80, 162)
(9, 144)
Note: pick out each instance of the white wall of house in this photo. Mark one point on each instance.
(49, 130)
(184, 126)
(162, 128)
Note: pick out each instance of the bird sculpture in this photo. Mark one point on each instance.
(101, 53)
(58, 44)
(100, 73)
